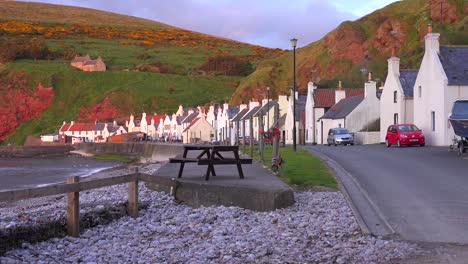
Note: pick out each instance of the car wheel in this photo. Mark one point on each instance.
(352, 144)
(422, 145)
(398, 143)
(387, 143)
(334, 143)
(461, 149)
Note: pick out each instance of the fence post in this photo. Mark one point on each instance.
(73, 209)
(133, 194)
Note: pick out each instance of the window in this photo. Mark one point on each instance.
(395, 118)
(395, 96)
(433, 120)
(419, 91)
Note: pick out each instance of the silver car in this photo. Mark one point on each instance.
(340, 136)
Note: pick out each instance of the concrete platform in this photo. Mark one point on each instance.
(260, 190)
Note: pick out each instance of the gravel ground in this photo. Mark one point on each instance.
(319, 228)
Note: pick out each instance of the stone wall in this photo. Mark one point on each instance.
(148, 151)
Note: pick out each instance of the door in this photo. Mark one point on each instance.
(392, 135)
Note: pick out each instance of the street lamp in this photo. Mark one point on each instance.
(293, 44)
(268, 111)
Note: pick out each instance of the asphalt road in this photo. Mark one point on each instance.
(421, 192)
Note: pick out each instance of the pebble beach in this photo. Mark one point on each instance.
(319, 228)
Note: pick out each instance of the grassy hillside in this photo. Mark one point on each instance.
(152, 67)
(362, 44)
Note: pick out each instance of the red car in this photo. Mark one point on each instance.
(404, 134)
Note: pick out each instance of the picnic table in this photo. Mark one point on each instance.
(211, 155)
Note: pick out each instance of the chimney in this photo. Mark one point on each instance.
(212, 108)
(143, 116)
(431, 40)
(225, 106)
(253, 104)
(114, 123)
(72, 123)
(339, 93)
(242, 107)
(190, 111)
(370, 89)
(131, 118)
(126, 123)
(369, 77)
(394, 66)
(311, 87)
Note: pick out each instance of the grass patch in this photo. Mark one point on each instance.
(301, 168)
(114, 157)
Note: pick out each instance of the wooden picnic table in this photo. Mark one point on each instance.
(211, 155)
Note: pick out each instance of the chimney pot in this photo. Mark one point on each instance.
(393, 52)
(429, 28)
(340, 87)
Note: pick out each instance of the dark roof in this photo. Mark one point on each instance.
(240, 115)
(251, 113)
(454, 59)
(190, 118)
(232, 111)
(266, 107)
(99, 126)
(179, 120)
(281, 122)
(407, 80)
(343, 108)
(300, 105)
(325, 98)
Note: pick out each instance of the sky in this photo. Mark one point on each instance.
(269, 23)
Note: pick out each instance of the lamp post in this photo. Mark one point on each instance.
(268, 111)
(293, 44)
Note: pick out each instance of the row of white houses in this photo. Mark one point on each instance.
(423, 97)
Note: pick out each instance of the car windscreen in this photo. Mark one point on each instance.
(341, 131)
(408, 128)
(460, 108)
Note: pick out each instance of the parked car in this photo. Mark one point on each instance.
(340, 136)
(404, 134)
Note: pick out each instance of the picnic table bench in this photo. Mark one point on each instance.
(211, 155)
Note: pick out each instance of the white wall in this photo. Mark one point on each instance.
(361, 138)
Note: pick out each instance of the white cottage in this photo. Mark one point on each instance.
(396, 101)
(442, 79)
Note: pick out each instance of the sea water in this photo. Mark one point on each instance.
(31, 172)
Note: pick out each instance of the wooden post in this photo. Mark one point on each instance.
(133, 195)
(251, 136)
(73, 209)
(261, 146)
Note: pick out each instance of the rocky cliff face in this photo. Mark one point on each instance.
(19, 102)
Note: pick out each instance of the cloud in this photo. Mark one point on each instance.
(262, 22)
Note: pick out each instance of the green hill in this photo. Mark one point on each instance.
(362, 44)
(151, 66)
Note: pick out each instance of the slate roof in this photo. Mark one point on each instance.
(232, 111)
(99, 126)
(190, 118)
(281, 122)
(343, 108)
(300, 105)
(325, 98)
(266, 107)
(407, 80)
(240, 115)
(454, 59)
(251, 113)
(192, 123)
(179, 120)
